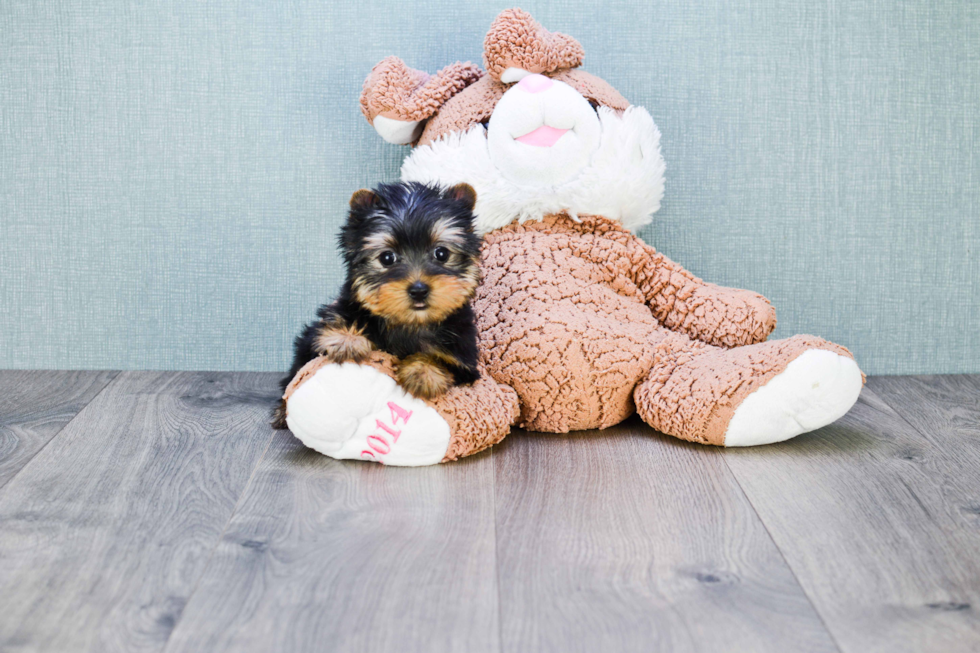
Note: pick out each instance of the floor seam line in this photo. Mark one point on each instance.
(217, 541)
(809, 599)
(900, 416)
(496, 556)
(98, 394)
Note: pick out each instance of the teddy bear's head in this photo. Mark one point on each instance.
(534, 135)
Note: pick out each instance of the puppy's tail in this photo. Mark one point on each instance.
(278, 416)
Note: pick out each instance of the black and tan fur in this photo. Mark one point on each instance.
(412, 267)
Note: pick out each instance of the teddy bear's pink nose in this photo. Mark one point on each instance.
(534, 83)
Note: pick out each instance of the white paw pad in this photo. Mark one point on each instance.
(352, 411)
(815, 389)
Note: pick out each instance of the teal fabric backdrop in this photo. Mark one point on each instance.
(173, 173)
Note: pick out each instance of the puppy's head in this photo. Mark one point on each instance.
(412, 256)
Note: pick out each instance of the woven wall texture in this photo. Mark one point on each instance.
(173, 173)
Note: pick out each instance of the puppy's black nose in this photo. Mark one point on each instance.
(418, 291)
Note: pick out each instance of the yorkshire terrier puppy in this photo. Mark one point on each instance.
(412, 267)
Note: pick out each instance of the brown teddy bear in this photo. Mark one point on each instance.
(581, 323)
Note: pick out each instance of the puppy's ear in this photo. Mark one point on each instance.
(462, 193)
(361, 204)
(363, 199)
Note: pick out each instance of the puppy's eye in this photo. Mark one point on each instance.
(440, 254)
(387, 258)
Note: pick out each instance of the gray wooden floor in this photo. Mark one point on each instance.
(147, 511)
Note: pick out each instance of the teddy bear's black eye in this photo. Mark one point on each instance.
(440, 254)
(387, 258)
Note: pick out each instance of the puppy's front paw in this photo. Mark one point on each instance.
(341, 344)
(422, 377)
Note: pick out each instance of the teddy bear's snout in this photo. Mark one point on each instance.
(535, 83)
(542, 132)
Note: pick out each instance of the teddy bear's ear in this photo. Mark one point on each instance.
(397, 99)
(518, 45)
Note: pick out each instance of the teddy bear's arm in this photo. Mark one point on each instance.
(724, 317)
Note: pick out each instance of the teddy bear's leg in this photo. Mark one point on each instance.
(359, 412)
(756, 394)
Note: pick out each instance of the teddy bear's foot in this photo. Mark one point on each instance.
(351, 411)
(751, 395)
(817, 388)
(358, 411)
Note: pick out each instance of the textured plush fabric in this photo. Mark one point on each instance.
(613, 182)
(472, 106)
(693, 389)
(563, 322)
(574, 315)
(516, 40)
(173, 174)
(479, 415)
(593, 88)
(396, 91)
(475, 103)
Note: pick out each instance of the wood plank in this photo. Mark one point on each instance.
(328, 555)
(35, 405)
(106, 532)
(627, 540)
(880, 521)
